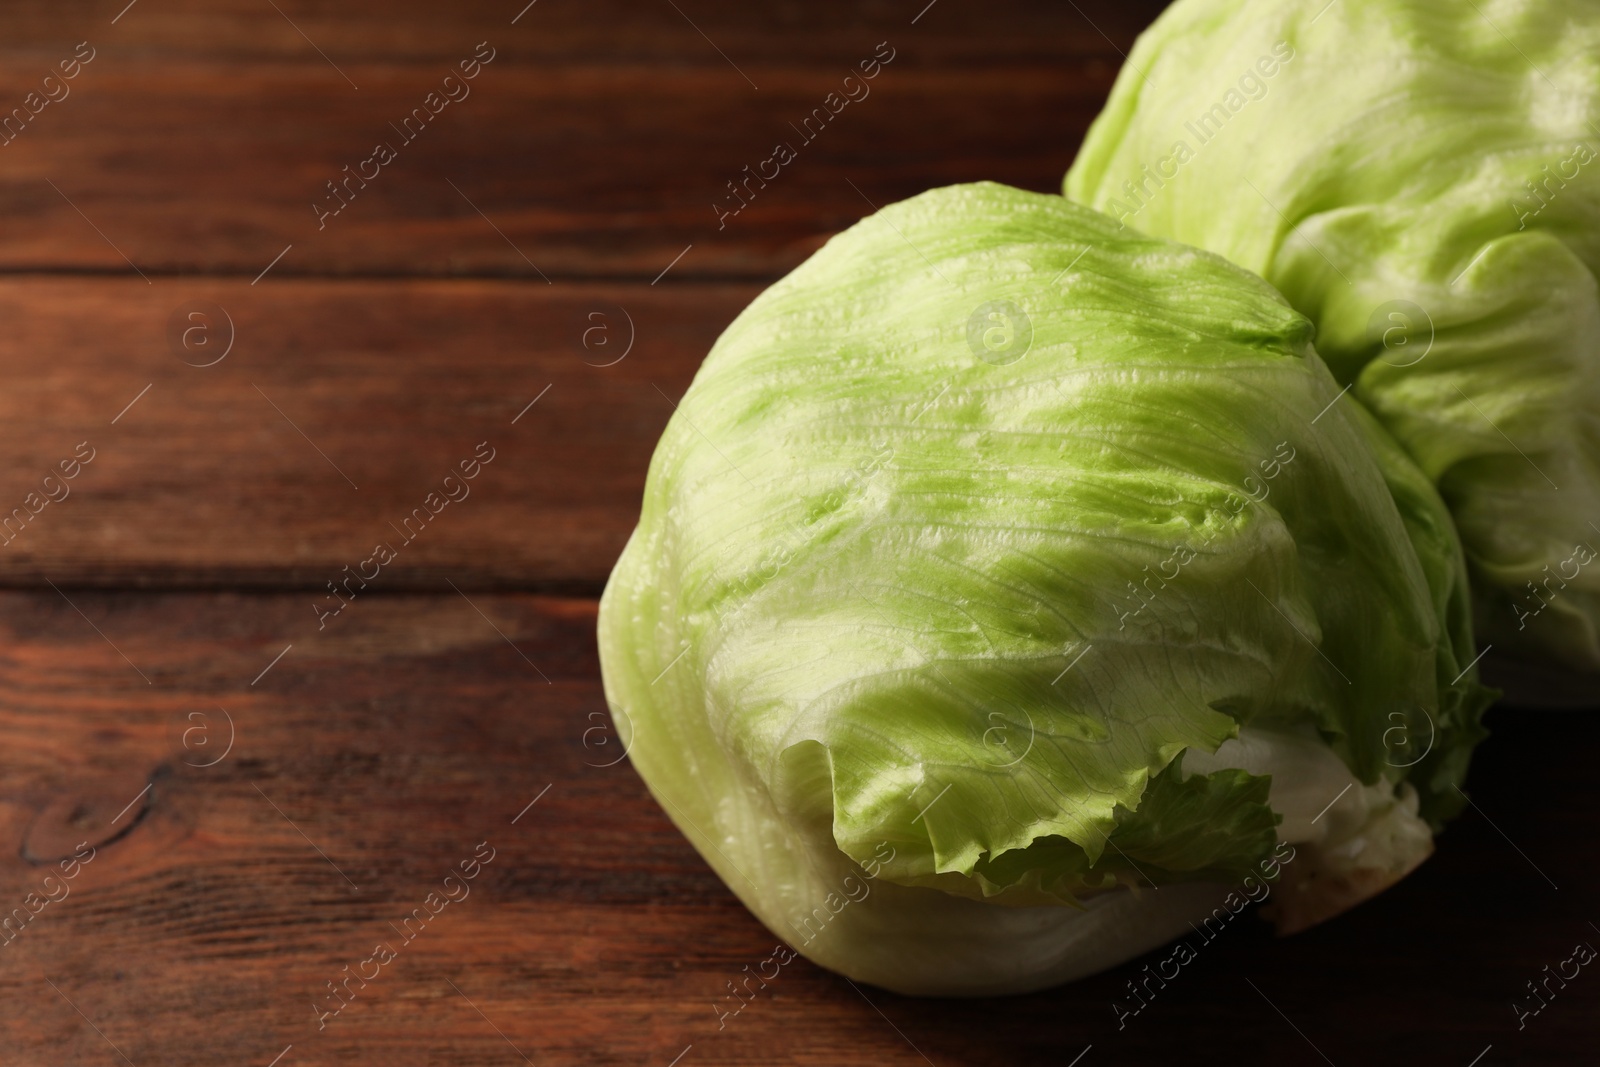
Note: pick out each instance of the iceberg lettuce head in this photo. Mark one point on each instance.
(1012, 589)
(1422, 180)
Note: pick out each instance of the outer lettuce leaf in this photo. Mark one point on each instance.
(1436, 771)
(1218, 823)
(1422, 180)
(947, 620)
(1212, 827)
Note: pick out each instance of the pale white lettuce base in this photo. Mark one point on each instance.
(919, 941)
(1352, 841)
(926, 943)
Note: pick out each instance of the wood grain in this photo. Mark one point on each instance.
(398, 740)
(597, 141)
(369, 756)
(235, 474)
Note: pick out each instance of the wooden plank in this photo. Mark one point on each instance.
(340, 407)
(410, 728)
(396, 742)
(600, 140)
(776, 33)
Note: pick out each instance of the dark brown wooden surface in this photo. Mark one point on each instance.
(597, 139)
(166, 606)
(237, 473)
(410, 731)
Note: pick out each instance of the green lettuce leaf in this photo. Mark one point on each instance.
(1423, 181)
(965, 532)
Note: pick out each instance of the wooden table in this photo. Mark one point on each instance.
(267, 789)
